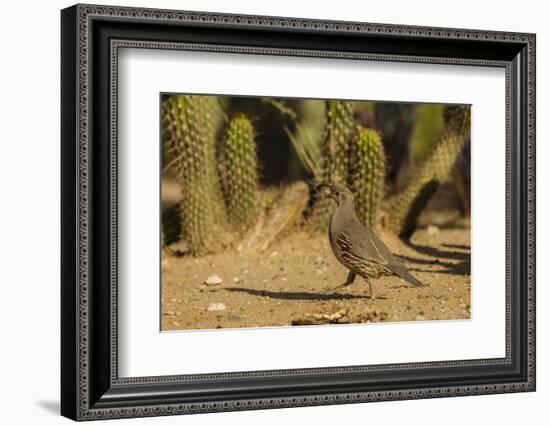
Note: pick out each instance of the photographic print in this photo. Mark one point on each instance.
(313, 201)
(292, 212)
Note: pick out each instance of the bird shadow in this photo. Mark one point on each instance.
(287, 295)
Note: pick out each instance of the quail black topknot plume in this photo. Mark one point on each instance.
(356, 246)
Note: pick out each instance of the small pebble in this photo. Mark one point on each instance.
(216, 307)
(234, 318)
(236, 279)
(432, 230)
(213, 280)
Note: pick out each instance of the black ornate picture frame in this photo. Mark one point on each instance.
(91, 387)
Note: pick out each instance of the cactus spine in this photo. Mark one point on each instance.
(188, 130)
(367, 173)
(339, 129)
(407, 206)
(240, 171)
(335, 150)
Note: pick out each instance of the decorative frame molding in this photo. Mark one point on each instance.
(91, 37)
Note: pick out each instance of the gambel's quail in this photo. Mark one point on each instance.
(356, 246)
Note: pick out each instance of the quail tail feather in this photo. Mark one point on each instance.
(401, 272)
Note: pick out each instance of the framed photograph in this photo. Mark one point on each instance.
(263, 212)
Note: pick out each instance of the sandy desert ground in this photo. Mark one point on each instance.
(289, 284)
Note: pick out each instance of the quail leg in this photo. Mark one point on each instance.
(372, 296)
(349, 281)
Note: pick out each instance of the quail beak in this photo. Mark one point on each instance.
(320, 188)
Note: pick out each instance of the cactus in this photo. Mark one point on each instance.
(306, 137)
(367, 173)
(338, 132)
(407, 206)
(188, 130)
(240, 171)
(396, 124)
(427, 131)
(335, 150)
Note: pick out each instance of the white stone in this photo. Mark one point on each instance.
(213, 280)
(433, 230)
(216, 307)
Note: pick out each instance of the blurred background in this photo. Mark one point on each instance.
(289, 135)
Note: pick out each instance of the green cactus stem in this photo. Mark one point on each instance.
(239, 168)
(188, 130)
(367, 173)
(338, 133)
(335, 149)
(407, 206)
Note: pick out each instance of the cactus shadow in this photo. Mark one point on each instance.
(460, 268)
(457, 246)
(437, 253)
(443, 259)
(451, 268)
(418, 260)
(300, 295)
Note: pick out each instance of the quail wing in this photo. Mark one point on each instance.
(365, 244)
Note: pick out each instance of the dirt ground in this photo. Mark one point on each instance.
(289, 284)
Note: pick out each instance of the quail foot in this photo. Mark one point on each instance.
(356, 246)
